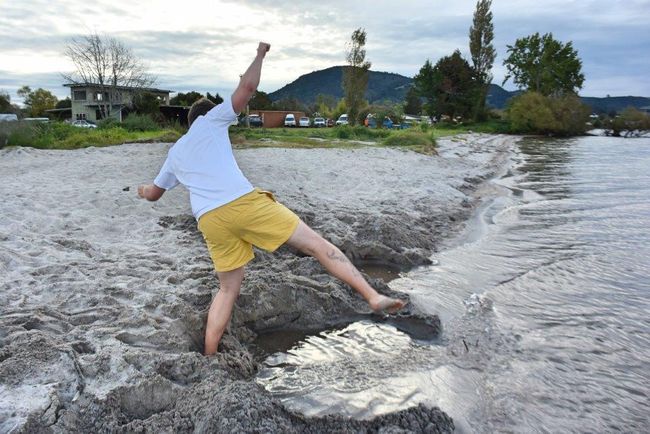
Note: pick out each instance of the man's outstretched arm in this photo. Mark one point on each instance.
(250, 80)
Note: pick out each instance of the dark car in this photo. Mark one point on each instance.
(254, 121)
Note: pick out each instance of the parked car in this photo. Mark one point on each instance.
(290, 120)
(303, 122)
(82, 123)
(342, 120)
(253, 121)
(320, 122)
(8, 117)
(330, 122)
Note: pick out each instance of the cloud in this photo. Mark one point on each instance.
(207, 43)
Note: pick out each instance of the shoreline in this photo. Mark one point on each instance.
(106, 295)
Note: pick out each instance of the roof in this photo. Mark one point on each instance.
(148, 89)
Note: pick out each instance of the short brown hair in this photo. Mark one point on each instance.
(199, 108)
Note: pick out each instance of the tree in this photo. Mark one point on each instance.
(185, 99)
(544, 65)
(449, 86)
(215, 99)
(146, 103)
(412, 103)
(5, 102)
(355, 75)
(107, 63)
(37, 101)
(64, 103)
(426, 83)
(260, 101)
(481, 34)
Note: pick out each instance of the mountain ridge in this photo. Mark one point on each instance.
(390, 86)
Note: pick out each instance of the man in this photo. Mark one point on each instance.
(232, 215)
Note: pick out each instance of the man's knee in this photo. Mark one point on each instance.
(230, 289)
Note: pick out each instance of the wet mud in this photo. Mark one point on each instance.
(103, 297)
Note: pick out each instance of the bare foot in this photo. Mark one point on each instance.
(383, 304)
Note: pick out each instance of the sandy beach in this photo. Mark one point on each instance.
(103, 296)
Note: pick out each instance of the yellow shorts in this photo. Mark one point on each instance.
(255, 219)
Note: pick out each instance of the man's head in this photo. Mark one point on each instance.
(199, 108)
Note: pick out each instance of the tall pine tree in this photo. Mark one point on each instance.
(481, 34)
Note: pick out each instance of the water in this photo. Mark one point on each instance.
(545, 303)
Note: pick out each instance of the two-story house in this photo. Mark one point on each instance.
(88, 99)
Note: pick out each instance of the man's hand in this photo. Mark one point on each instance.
(142, 191)
(263, 48)
(150, 192)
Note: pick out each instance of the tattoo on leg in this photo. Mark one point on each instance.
(333, 255)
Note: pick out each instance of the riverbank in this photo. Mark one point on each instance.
(104, 295)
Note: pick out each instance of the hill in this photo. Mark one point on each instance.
(388, 86)
(381, 86)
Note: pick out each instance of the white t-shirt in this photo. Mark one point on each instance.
(202, 160)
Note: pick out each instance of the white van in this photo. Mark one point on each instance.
(290, 120)
(343, 120)
(8, 117)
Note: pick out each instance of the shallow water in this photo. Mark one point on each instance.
(544, 301)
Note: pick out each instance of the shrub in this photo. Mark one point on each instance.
(631, 121)
(136, 122)
(108, 123)
(535, 113)
(422, 142)
(343, 131)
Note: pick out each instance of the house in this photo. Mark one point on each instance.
(88, 99)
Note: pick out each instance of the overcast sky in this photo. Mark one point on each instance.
(204, 45)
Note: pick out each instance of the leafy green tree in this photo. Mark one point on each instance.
(324, 105)
(215, 99)
(260, 101)
(37, 101)
(481, 34)
(412, 103)
(451, 85)
(355, 75)
(426, 83)
(544, 65)
(185, 99)
(64, 103)
(146, 103)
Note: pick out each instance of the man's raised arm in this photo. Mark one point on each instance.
(250, 80)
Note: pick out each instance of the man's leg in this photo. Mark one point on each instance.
(334, 261)
(221, 307)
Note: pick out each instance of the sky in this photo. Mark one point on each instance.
(205, 45)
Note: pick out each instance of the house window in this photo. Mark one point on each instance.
(79, 95)
(81, 116)
(99, 96)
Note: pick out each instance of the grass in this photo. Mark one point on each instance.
(58, 135)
